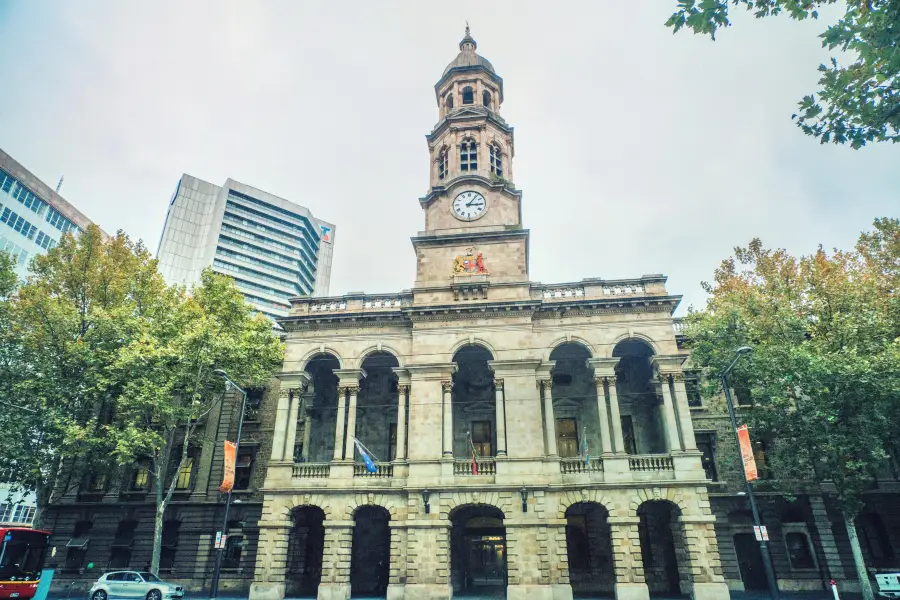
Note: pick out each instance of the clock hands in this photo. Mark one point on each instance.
(474, 201)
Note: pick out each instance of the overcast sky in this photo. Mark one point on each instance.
(637, 151)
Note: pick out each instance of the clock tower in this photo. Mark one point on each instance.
(473, 234)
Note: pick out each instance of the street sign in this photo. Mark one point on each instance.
(761, 533)
(218, 543)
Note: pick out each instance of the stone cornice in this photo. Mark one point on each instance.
(466, 114)
(492, 184)
(473, 237)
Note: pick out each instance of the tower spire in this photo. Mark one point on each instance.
(468, 43)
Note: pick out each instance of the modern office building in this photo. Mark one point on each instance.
(274, 249)
(33, 217)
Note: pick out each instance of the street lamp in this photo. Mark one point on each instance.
(763, 545)
(214, 584)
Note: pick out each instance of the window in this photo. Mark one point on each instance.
(183, 481)
(468, 155)
(692, 387)
(97, 483)
(392, 441)
(578, 544)
(450, 101)
(442, 164)
(468, 95)
(120, 555)
(567, 437)
(243, 469)
(481, 438)
(798, 550)
(759, 455)
(22, 514)
(873, 537)
(706, 443)
(233, 547)
(628, 434)
(5, 510)
(742, 393)
(169, 544)
(496, 160)
(140, 480)
(486, 98)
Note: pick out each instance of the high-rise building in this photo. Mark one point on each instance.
(274, 249)
(33, 217)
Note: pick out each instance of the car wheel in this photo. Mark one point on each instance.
(99, 595)
(154, 595)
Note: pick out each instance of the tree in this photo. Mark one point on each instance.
(825, 372)
(858, 102)
(168, 380)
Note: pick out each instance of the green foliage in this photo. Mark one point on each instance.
(858, 102)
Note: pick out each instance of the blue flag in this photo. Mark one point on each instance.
(370, 464)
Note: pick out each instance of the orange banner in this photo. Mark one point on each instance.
(230, 459)
(747, 453)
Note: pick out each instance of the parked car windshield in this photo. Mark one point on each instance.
(150, 577)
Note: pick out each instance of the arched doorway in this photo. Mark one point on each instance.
(663, 548)
(478, 550)
(370, 559)
(639, 404)
(305, 546)
(589, 548)
(376, 412)
(317, 444)
(474, 405)
(575, 410)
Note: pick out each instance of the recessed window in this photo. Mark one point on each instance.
(442, 163)
(496, 160)
(169, 544)
(481, 438)
(706, 443)
(234, 546)
(468, 95)
(486, 98)
(243, 470)
(140, 481)
(567, 437)
(183, 482)
(449, 102)
(798, 550)
(468, 155)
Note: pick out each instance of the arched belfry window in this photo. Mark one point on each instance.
(450, 101)
(468, 95)
(496, 160)
(468, 155)
(486, 98)
(442, 163)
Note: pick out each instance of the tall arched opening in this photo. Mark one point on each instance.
(370, 558)
(663, 549)
(305, 546)
(319, 412)
(640, 405)
(474, 404)
(478, 550)
(575, 411)
(589, 548)
(376, 412)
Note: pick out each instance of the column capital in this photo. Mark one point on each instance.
(447, 386)
(498, 385)
(403, 388)
(603, 367)
(343, 389)
(545, 384)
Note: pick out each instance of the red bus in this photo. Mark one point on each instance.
(22, 554)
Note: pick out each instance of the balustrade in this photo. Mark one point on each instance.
(568, 466)
(382, 470)
(569, 292)
(312, 470)
(650, 463)
(486, 466)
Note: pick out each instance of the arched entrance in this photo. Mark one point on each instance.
(478, 550)
(589, 548)
(376, 413)
(663, 548)
(474, 405)
(575, 411)
(639, 403)
(305, 546)
(370, 559)
(317, 443)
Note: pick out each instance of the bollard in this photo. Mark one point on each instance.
(834, 590)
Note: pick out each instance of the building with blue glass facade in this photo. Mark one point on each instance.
(33, 217)
(273, 249)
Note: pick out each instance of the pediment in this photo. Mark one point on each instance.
(566, 404)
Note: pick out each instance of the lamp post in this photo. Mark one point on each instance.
(763, 544)
(214, 584)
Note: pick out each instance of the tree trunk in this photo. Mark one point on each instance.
(157, 521)
(42, 500)
(862, 574)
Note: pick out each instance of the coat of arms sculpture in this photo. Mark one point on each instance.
(470, 263)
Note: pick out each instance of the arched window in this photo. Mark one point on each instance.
(496, 160)
(442, 163)
(450, 101)
(468, 155)
(486, 98)
(468, 95)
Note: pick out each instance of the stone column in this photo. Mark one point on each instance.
(684, 412)
(605, 441)
(285, 434)
(351, 423)
(281, 422)
(704, 565)
(523, 427)
(447, 399)
(669, 421)
(500, 408)
(616, 418)
(290, 439)
(424, 438)
(307, 431)
(402, 399)
(271, 557)
(339, 424)
(335, 584)
(628, 563)
(549, 420)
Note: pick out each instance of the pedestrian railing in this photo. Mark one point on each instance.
(312, 470)
(650, 463)
(578, 465)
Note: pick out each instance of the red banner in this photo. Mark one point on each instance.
(747, 453)
(230, 460)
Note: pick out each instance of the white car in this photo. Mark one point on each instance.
(137, 585)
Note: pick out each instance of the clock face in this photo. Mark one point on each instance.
(469, 205)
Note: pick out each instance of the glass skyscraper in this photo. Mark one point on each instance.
(272, 248)
(33, 217)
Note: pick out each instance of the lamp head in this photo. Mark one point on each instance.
(220, 373)
(743, 350)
